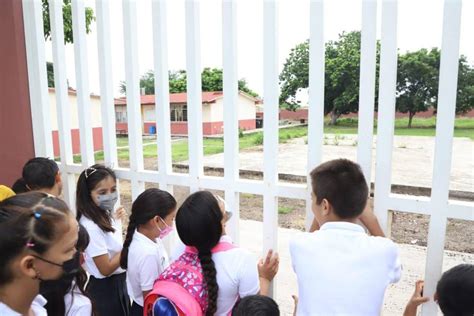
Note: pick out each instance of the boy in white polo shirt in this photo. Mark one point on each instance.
(340, 269)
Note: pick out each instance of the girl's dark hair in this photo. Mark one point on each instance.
(85, 206)
(20, 186)
(199, 224)
(151, 203)
(30, 220)
(56, 304)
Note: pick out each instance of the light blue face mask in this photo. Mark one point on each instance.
(107, 201)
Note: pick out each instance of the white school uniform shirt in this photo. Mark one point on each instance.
(147, 259)
(237, 275)
(343, 271)
(100, 243)
(5, 310)
(76, 303)
(37, 306)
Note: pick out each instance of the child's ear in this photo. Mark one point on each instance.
(57, 179)
(326, 207)
(27, 267)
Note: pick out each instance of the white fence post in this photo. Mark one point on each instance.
(316, 96)
(82, 79)
(62, 99)
(231, 112)
(134, 116)
(106, 84)
(448, 77)
(37, 79)
(386, 110)
(193, 71)
(368, 60)
(270, 126)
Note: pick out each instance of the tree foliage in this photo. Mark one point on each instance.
(211, 80)
(417, 78)
(417, 81)
(341, 78)
(68, 34)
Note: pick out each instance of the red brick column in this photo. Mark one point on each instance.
(16, 135)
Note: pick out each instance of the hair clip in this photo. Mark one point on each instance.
(37, 214)
(30, 244)
(92, 170)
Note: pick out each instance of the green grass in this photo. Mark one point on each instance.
(463, 127)
(284, 210)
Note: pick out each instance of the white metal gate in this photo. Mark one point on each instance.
(439, 207)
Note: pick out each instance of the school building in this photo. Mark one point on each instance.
(212, 113)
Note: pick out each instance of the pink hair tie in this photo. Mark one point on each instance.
(30, 244)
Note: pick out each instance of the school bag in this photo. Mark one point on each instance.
(182, 286)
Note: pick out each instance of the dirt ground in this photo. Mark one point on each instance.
(406, 228)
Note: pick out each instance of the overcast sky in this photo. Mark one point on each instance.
(419, 25)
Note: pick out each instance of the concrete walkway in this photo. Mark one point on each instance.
(413, 261)
(412, 162)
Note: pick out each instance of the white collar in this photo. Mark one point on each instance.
(226, 238)
(144, 239)
(343, 226)
(40, 300)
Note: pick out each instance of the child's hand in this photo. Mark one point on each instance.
(295, 299)
(120, 213)
(416, 300)
(268, 269)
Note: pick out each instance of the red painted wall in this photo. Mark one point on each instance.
(303, 114)
(181, 128)
(76, 141)
(16, 132)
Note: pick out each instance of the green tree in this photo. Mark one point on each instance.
(211, 79)
(67, 23)
(465, 87)
(417, 81)
(465, 96)
(341, 79)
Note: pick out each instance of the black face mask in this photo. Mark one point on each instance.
(70, 268)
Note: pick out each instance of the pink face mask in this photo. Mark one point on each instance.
(164, 231)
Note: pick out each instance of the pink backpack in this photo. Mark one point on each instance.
(183, 285)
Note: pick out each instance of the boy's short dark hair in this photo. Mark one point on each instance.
(256, 305)
(39, 173)
(455, 291)
(343, 184)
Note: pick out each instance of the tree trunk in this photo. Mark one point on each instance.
(410, 118)
(334, 118)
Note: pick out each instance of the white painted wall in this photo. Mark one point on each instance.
(72, 100)
(247, 110)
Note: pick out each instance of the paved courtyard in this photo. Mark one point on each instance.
(412, 160)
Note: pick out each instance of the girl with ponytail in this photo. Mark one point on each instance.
(143, 253)
(228, 274)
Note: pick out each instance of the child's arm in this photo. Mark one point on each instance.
(416, 300)
(267, 270)
(370, 221)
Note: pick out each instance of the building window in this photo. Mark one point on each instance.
(179, 113)
(120, 117)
